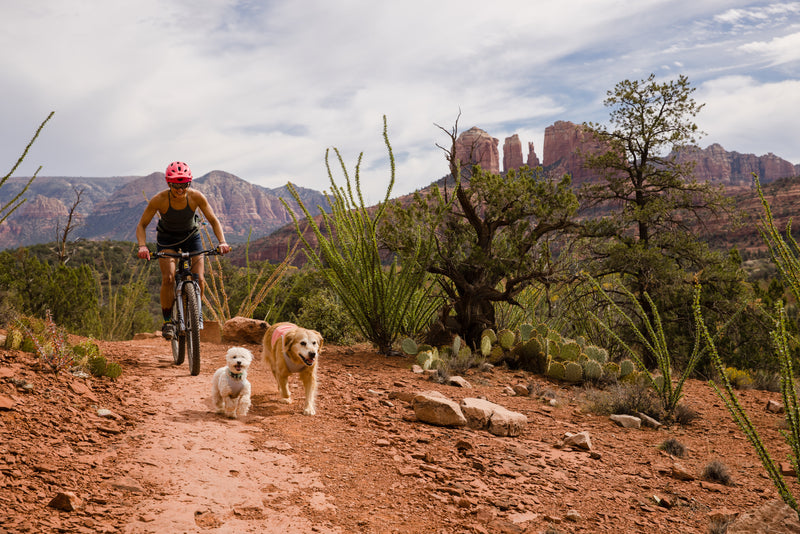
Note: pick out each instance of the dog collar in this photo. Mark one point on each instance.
(236, 376)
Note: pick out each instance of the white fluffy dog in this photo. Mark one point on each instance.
(230, 390)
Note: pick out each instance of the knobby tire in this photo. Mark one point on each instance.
(192, 321)
(178, 339)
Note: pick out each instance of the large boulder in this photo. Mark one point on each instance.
(498, 420)
(775, 517)
(244, 330)
(434, 408)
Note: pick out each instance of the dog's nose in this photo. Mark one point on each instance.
(312, 355)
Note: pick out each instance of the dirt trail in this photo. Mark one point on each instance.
(206, 469)
(164, 462)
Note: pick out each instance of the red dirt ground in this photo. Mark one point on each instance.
(162, 462)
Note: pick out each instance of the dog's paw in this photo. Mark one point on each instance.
(287, 400)
(309, 411)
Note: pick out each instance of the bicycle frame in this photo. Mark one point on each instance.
(184, 276)
(187, 323)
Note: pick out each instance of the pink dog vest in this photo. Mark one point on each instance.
(281, 331)
(278, 333)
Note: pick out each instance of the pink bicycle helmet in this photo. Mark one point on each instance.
(178, 173)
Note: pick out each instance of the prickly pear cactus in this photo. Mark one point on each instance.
(598, 354)
(556, 370)
(659, 381)
(496, 355)
(570, 351)
(490, 334)
(457, 343)
(97, 365)
(525, 332)
(409, 346)
(113, 370)
(531, 356)
(506, 339)
(592, 370)
(626, 367)
(554, 349)
(486, 346)
(13, 339)
(573, 372)
(611, 370)
(27, 345)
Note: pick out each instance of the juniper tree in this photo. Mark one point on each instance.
(486, 236)
(652, 206)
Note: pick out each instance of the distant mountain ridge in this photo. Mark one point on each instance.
(110, 208)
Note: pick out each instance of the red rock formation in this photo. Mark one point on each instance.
(533, 159)
(564, 144)
(475, 146)
(512, 153)
(717, 165)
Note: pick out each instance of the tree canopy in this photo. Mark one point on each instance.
(490, 237)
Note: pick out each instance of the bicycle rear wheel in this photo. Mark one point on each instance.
(192, 320)
(178, 339)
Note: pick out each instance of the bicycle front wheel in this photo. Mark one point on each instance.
(178, 339)
(192, 309)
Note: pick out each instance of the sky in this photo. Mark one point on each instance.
(261, 89)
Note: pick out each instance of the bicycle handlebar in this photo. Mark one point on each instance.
(209, 252)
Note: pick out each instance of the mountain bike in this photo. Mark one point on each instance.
(187, 315)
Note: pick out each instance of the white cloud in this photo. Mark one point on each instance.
(777, 51)
(744, 115)
(261, 89)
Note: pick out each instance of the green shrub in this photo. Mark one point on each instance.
(324, 312)
(739, 379)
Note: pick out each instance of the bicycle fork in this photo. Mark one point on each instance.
(182, 312)
(179, 321)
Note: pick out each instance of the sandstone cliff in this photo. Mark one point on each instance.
(475, 146)
(715, 164)
(512, 153)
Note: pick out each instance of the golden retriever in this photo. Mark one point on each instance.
(289, 349)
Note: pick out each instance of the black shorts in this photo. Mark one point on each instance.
(185, 242)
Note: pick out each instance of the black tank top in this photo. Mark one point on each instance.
(175, 221)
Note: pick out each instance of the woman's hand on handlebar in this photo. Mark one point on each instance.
(224, 248)
(144, 253)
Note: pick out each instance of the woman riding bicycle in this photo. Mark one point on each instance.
(178, 228)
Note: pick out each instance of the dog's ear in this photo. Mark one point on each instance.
(320, 341)
(288, 339)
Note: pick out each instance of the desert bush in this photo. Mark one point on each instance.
(69, 294)
(323, 311)
(685, 415)
(50, 342)
(123, 306)
(627, 398)
(87, 355)
(764, 380)
(718, 472)
(242, 289)
(673, 447)
(739, 379)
